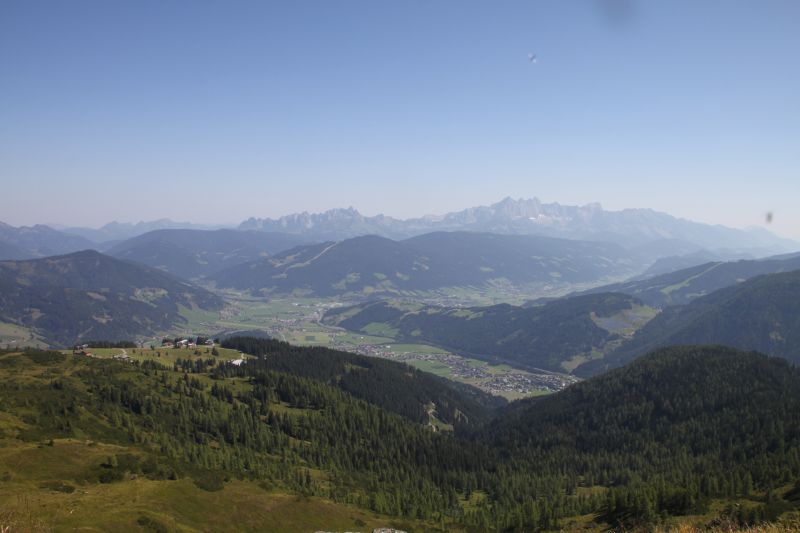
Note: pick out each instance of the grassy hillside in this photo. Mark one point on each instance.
(761, 314)
(553, 336)
(375, 265)
(87, 295)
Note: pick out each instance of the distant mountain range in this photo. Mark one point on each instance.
(372, 265)
(87, 295)
(647, 234)
(629, 227)
(37, 241)
(192, 253)
(119, 231)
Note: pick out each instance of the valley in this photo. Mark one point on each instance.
(299, 321)
(399, 267)
(491, 405)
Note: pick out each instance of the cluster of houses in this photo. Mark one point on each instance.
(81, 349)
(184, 343)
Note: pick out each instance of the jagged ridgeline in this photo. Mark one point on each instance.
(685, 431)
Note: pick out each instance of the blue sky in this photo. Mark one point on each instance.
(218, 111)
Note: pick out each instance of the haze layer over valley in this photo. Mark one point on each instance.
(400, 266)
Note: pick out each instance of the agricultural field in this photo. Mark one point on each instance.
(14, 335)
(626, 322)
(162, 355)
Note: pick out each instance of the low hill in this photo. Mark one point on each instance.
(556, 336)
(88, 295)
(374, 265)
(192, 253)
(40, 241)
(682, 286)
(762, 313)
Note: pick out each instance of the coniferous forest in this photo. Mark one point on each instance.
(684, 431)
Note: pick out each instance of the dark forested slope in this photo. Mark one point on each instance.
(192, 253)
(88, 295)
(543, 337)
(668, 431)
(762, 313)
(682, 286)
(390, 385)
(376, 265)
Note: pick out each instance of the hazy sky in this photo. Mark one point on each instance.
(218, 111)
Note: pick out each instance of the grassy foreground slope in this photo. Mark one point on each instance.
(683, 435)
(97, 445)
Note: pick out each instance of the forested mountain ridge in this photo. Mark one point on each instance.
(372, 265)
(555, 336)
(682, 286)
(193, 253)
(667, 436)
(669, 430)
(88, 295)
(401, 389)
(762, 313)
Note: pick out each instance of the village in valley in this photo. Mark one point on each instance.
(499, 380)
(299, 321)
